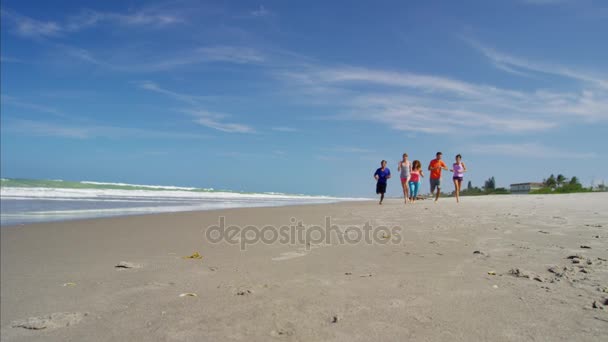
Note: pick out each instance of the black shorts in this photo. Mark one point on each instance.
(380, 188)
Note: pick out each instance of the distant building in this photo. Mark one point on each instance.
(525, 188)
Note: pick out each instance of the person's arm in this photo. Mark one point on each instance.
(430, 168)
(445, 167)
(409, 167)
(389, 174)
(376, 175)
(421, 173)
(464, 168)
(399, 167)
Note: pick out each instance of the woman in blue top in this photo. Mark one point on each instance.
(382, 175)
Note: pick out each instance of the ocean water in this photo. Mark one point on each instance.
(28, 200)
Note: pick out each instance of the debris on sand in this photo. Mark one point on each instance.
(194, 255)
(559, 271)
(126, 264)
(519, 273)
(597, 305)
(575, 256)
(52, 321)
(335, 319)
(188, 294)
(585, 247)
(244, 292)
(281, 332)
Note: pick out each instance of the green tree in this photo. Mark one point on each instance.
(574, 181)
(560, 179)
(490, 184)
(551, 182)
(470, 186)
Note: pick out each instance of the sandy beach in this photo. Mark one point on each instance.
(492, 268)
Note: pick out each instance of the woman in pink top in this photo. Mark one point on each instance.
(414, 183)
(459, 169)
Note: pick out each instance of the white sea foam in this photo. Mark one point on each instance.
(69, 193)
(144, 186)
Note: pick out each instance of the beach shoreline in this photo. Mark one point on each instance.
(453, 271)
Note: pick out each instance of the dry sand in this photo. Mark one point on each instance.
(59, 281)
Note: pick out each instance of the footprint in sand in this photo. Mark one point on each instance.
(52, 321)
(288, 255)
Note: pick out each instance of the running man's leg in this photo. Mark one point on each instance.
(435, 183)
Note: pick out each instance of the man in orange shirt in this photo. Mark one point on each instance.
(435, 167)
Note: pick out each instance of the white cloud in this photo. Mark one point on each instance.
(132, 62)
(89, 131)
(31, 28)
(349, 149)
(233, 54)
(25, 26)
(522, 66)
(284, 129)
(202, 117)
(215, 121)
(151, 86)
(530, 150)
(16, 102)
(6, 59)
(416, 102)
(545, 2)
(260, 12)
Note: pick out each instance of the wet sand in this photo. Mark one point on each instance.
(499, 268)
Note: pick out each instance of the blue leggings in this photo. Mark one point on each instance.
(414, 186)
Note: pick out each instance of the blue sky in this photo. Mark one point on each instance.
(302, 97)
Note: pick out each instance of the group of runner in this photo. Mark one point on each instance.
(411, 174)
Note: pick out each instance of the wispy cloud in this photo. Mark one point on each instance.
(524, 67)
(260, 12)
(240, 55)
(6, 59)
(31, 28)
(216, 121)
(151, 86)
(90, 18)
(27, 27)
(284, 129)
(20, 103)
(530, 150)
(416, 102)
(201, 116)
(349, 149)
(544, 2)
(133, 62)
(89, 131)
